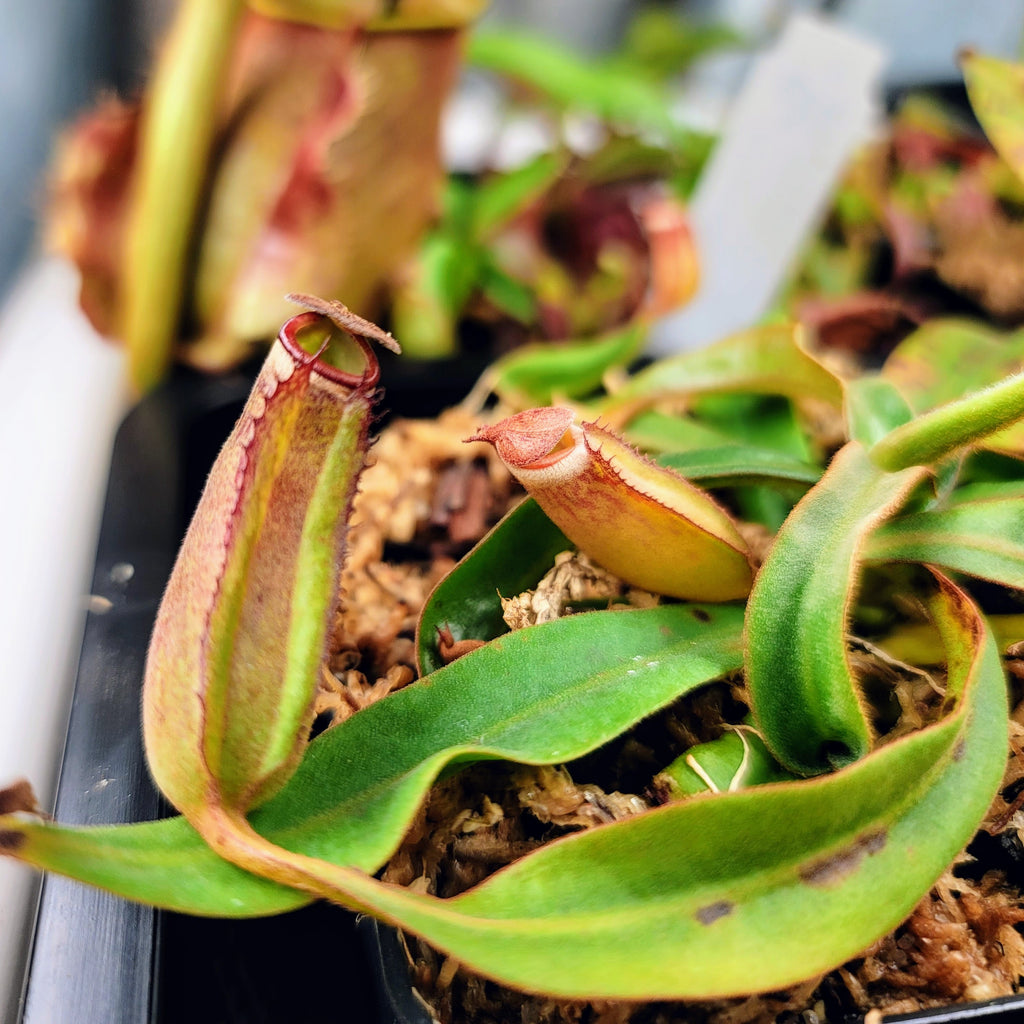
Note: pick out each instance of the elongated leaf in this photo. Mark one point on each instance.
(535, 374)
(956, 425)
(573, 81)
(946, 359)
(510, 559)
(501, 198)
(764, 360)
(747, 891)
(541, 695)
(742, 464)
(874, 407)
(728, 894)
(655, 431)
(996, 90)
(983, 538)
(165, 863)
(804, 696)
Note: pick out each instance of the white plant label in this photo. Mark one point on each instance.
(805, 106)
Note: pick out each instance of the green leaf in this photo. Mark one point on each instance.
(803, 693)
(730, 465)
(536, 374)
(573, 81)
(541, 695)
(947, 359)
(729, 894)
(955, 425)
(656, 431)
(659, 43)
(510, 559)
(507, 294)
(767, 421)
(982, 537)
(427, 303)
(996, 91)
(501, 198)
(165, 863)
(874, 407)
(764, 360)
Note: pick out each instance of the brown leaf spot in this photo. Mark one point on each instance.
(700, 614)
(713, 911)
(960, 749)
(11, 841)
(18, 797)
(835, 868)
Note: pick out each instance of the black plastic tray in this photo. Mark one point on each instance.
(97, 959)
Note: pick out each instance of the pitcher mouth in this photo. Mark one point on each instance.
(289, 337)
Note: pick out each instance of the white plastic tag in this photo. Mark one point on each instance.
(806, 104)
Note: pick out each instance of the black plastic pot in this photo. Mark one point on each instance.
(97, 959)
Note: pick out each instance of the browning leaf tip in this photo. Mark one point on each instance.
(10, 842)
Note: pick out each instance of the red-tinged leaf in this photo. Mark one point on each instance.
(676, 903)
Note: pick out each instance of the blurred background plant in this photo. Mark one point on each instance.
(293, 146)
(536, 235)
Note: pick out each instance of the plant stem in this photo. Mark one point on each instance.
(177, 137)
(927, 438)
(377, 15)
